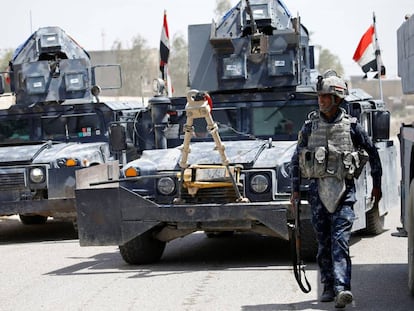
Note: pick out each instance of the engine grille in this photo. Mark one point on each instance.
(211, 195)
(9, 181)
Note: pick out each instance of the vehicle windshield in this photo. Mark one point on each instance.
(71, 126)
(278, 122)
(24, 128)
(15, 130)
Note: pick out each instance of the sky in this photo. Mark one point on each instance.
(334, 25)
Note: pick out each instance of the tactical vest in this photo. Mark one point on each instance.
(330, 151)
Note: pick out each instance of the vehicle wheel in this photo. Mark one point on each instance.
(143, 249)
(33, 219)
(410, 230)
(309, 244)
(75, 225)
(375, 222)
(219, 234)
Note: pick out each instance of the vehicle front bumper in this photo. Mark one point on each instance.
(115, 215)
(59, 208)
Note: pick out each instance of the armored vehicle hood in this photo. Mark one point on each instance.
(48, 152)
(257, 153)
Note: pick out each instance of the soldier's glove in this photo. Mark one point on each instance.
(376, 194)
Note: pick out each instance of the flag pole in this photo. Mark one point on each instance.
(169, 86)
(378, 56)
(164, 55)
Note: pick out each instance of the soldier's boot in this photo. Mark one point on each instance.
(343, 298)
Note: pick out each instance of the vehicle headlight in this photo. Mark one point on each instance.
(259, 183)
(69, 162)
(37, 175)
(166, 185)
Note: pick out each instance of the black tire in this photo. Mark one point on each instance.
(143, 249)
(375, 222)
(309, 244)
(410, 229)
(33, 219)
(75, 226)
(219, 234)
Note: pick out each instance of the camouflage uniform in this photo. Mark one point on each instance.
(333, 230)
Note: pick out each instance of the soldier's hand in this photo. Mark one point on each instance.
(376, 194)
(295, 196)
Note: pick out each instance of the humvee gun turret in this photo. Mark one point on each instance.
(56, 126)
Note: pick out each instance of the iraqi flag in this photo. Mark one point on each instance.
(164, 46)
(366, 54)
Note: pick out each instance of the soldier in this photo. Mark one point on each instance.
(331, 151)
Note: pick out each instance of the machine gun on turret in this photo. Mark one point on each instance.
(57, 125)
(51, 67)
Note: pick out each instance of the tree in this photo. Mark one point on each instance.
(139, 67)
(5, 57)
(327, 60)
(222, 6)
(178, 67)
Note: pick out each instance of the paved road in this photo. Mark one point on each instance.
(44, 268)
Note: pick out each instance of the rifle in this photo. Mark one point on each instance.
(298, 265)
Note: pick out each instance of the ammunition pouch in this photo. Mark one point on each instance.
(312, 163)
(320, 163)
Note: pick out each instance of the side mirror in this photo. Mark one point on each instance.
(117, 137)
(107, 77)
(380, 125)
(1, 84)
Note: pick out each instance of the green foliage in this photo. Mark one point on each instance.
(139, 67)
(327, 60)
(5, 57)
(222, 6)
(179, 65)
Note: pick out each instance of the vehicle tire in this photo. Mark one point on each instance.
(375, 222)
(410, 229)
(219, 234)
(33, 219)
(309, 244)
(143, 249)
(75, 225)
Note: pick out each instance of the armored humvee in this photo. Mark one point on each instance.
(221, 162)
(405, 44)
(56, 126)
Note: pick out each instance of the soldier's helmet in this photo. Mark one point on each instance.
(330, 83)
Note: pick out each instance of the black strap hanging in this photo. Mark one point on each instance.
(298, 265)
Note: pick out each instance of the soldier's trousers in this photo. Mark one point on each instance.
(333, 234)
